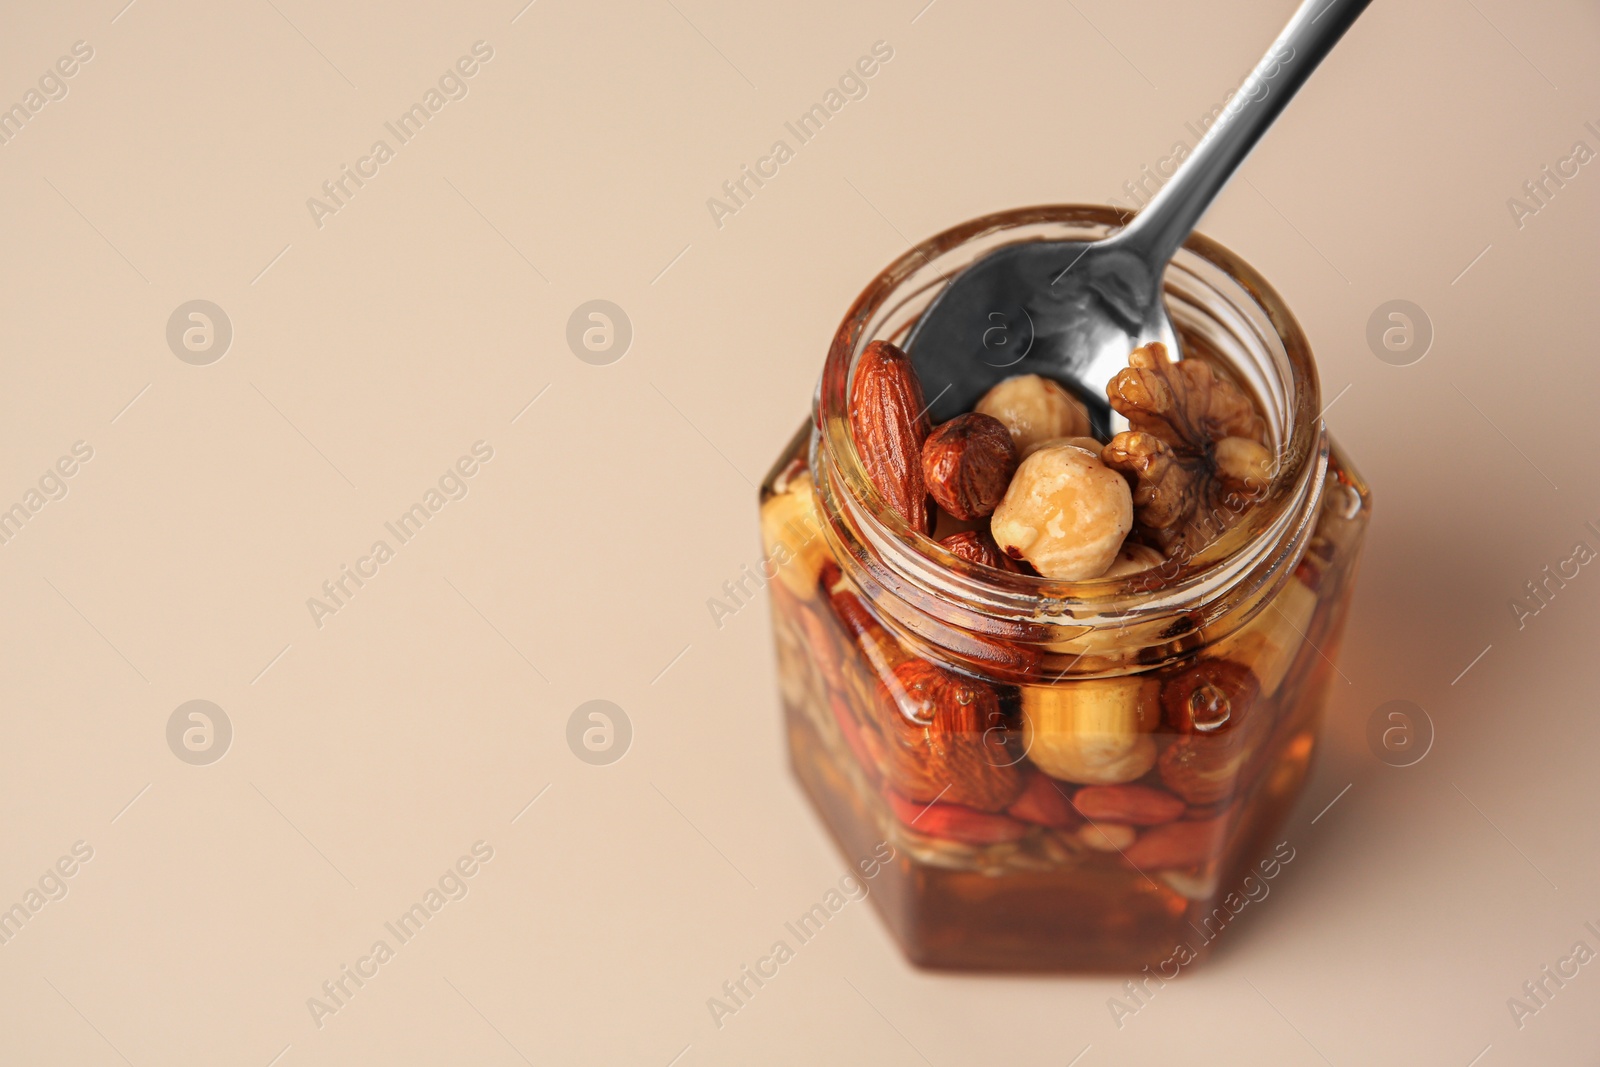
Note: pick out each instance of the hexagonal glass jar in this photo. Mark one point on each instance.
(1175, 710)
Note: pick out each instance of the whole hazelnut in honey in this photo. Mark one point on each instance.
(1035, 410)
(1065, 512)
(1133, 558)
(1090, 443)
(1093, 731)
(967, 464)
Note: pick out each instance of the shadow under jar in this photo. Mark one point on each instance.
(1072, 775)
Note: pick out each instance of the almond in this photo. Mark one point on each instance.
(888, 421)
(824, 646)
(955, 822)
(1138, 805)
(967, 464)
(991, 653)
(1044, 802)
(947, 738)
(881, 651)
(1177, 844)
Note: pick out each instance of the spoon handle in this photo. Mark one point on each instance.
(1172, 214)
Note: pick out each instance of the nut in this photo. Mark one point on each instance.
(1092, 731)
(801, 671)
(1201, 772)
(1044, 802)
(1202, 885)
(878, 646)
(1270, 641)
(1090, 443)
(856, 738)
(974, 546)
(1035, 410)
(955, 822)
(1245, 463)
(887, 421)
(1133, 558)
(1107, 836)
(1005, 658)
(1066, 513)
(967, 464)
(1178, 414)
(947, 736)
(1205, 768)
(884, 652)
(1209, 696)
(822, 645)
(1137, 805)
(1177, 844)
(791, 533)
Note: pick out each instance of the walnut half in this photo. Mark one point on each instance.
(1194, 449)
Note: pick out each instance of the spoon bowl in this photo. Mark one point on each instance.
(1067, 310)
(1073, 310)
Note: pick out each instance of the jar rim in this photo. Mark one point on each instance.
(1267, 535)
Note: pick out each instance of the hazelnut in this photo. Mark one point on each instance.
(1209, 696)
(1092, 731)
(791, 532)
(1090, 443)
(974, 546)
(967, 464)
(1035, 409)
(1065, 512)
(1133, 558)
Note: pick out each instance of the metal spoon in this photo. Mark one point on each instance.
(1073, 310)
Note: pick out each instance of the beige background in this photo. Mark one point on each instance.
(370, 353)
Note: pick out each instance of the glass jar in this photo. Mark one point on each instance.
(1066, 775)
